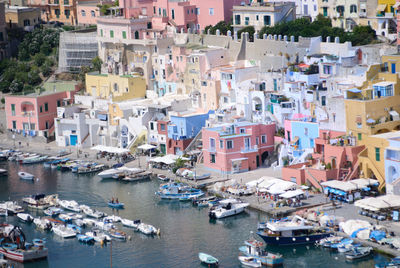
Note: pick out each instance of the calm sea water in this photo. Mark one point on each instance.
(185, 230)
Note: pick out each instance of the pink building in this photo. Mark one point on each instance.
(88, 12)
(237, 147)
(34, 114)
(334, 158)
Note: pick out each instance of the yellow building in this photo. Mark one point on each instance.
(385, 6)
(118, 87)
(20, 17)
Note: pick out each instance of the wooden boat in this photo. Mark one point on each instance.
(12, 252)
(358, 253)
(208, 259)
(115, 205)
(117, 234)
(26, 176)
(250, 261)
(162, 177)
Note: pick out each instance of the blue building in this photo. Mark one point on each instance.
(303, 135)
(392, 165)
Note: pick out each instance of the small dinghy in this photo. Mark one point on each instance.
(250, 261)
(26, 176)
(93, 213)
(117, 234)
(358, 253)
(130, 223)
(115, 205)
(208, 259)
(98, 236)
(39, 242)
(53, 211)
(148, 229)
(25, 217)
(85, 239)
(163, 178)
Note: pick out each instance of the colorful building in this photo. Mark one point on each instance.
(392, 165)
(119, 87)
(33, 114)
(22, 17)
(237, 147)
(88, 12)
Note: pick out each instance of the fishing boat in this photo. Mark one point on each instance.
(12, 207)
(39, 242)
(53, 211)
(130, 223)
(297, 231)
(93, 213)
(90, 169)
(358, 253)
(34, 159)
(26, 176)
(226, 208)
(115, 205)
(3, 172)
(43, 224)
(250, 261)
(70, 205)
(163, 178)
(98, 236)
(85, 239)
(117, 234)
(63, 231)
(255, 248)
(15, 247)
(342, 243)
(3, 212)
(176, 191)
(148, 229)
(208, 259)
(129, 177)
(109, 173)
(25, 217)
(347, 248)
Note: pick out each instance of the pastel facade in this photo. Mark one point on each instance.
(22, 17)
(34, 114)
(303, 135)
(87, 13)
(158, 133)
(237, 147)
(392, 165)
(119, 87)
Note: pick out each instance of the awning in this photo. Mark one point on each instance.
(381, 8)
(295, 140)
(291, 194)
(110, 149)
(354, 90)
(146, 147)
(370, 121)
(395, 115)
(396, 6)
(239, 159)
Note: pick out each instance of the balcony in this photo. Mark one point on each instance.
(28, 114)
(212, 150)
(249, 149)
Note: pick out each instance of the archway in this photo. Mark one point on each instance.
(397, 127)
(381, 131)
(257, 104)
(136, 35)
(264, 157)
(139, 70)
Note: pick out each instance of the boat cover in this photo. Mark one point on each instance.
(377, 235)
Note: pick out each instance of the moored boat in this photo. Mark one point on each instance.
(25, 217)
(118, 205)
(130, 223)
(43, 224)
(162, 177)
(227, 208)
(358, 253)
(148, 229)
(3, 172)
(98, 236)
(12, 207)
(117, 234)
(63, 231)
(250, 261)
(34, 159)
(26, 176)
(85, 239)
(176, 191)
(53, 211)
(208, 259)
(93, 213)
(70, 205)
(254, 248)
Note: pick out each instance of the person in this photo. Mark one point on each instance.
(117, 200)
(112, 200)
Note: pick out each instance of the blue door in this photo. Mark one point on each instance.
(73, 139)
(393, 68)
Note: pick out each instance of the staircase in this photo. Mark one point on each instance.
(314, 181)
(343, 173)
(193, 144)
(303, 156)
(200, 158)
(351, 174)
(85, 138)
(363, 156)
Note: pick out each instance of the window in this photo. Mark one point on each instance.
(378, 154)
(173, 13)
(67, 13)
(66, 2)
(359, 136)
(246, 20)
(315, 8)
(323, 100)
(212, 144)
(13, 109)
(305, 9)
(124, 34)
(211, 11)
(162, 126)
(83, 13)
(325, 11)
(46, 107)
(197, 11)
(164, 12)
(263, 139)
(14, 124)
(257, 17)
(267, 20)
(112, 34)
(353, 9)
(257, 140)
(221, 144)
(154, 10)
(242, 130)
(1, 36)
(93, 13)
(159, 11)
(27, 22)
(126, 89)
(115, 87)
(237, 19)
(151, 125)
(188, 11)
(57, 12)
(41, 109)
(225, 99)
(58, 103)
(101, 32)
(212, 158)
(229, 144)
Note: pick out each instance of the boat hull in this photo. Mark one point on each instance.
(25, 256)
(292, 240)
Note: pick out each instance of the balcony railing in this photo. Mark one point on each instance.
(249, 149)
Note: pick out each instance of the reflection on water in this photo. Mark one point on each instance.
(185, 230)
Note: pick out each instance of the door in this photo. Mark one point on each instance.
(73, 139)
(393, 68)
(258, 160)
(162, 148)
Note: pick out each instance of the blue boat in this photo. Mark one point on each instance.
(254, 248)
(74, 227)
(85, 239)
(294, 232)
(115, 205)
(178, 191)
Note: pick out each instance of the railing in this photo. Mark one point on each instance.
(249, 149)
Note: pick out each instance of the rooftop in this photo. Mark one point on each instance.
(20, 9)
(388, 135)
(49, 88)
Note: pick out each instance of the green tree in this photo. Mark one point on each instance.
(34, 77)
(96, 63)
(45, 69)
(45, 49)
(16, 86)
(247, 29)
(39, 59)
(83, 72)
(5, 86)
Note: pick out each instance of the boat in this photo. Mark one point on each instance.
(296, 231)
(3, 212)
(342, 243)
(65, 218)
(250, 261)
(358, 253)
(227, 208)
(25, 217)
(117, 234)
(347, 248)
(204, 202)
(79, 222)
(34, 159)
(199, 177)
(70, 205)
(176, 191)
(15, 248)
(137, 176)
(85, 239)
(74, 228)
(39, 242)
(163, 178)
(3, 172)
(148, 229)
(104, 225)
(109, 173)
(63, 231)
(93, 213)
(130, 223)
(111, 219)
(53, 211)
(36, 201)
(42, 224)
(329, 241)
(26, 176)
(208, 259)
(115, 205)
(255, 248)
(98, 236)
(90, 169)
(12, 207)
(393, 263)
(89, 222)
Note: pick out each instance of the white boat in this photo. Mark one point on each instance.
(3, 212)
(43, 224)
(98, 236)
(63, 231)
(65, 218)
(148, 229)
(162, 177)
(137, 176)
(70, 205)
(3, 172)
(53, 211)
(226, 209)
(89, 222)
(90, 169)
(34, 159)
(25, 217)
(29, 254)
(118, 234)
(130, 223)
(104, 225)
(93, 213)
(79, 222)
(112, 218)
(12, 207)
(109, 173)
(26, 176)
(250, 261)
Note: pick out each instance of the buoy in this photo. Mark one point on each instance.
(129, 238)
(102, 243)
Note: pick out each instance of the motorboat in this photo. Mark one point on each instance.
(98, 236)
(176, 191)
(328, 241)
(3, 212)
(74, 228)
(65, 218)
(296, 231)
(250, 261)
(130, 223)
(148, 229)
(34, 159)
(63, 231)
(3, 172)
(25, 217)
(117, 234)
(163, 178)
(12, 207)
(136, 177)
(104, 225)
(109, 173)
(358, 253)
(90, 169)
(26, 176)
(89, 222)
(70, 205)
(227, 208)
(53, 211)
(342, 243)
(93, 213)
(347, 247)
(43, 224)
(85, 239)
(255, 248)
(36, 201)
(112, 218)
(208, 259)
(115, 205)
(79, 222)
(38, 242)
(393, 263)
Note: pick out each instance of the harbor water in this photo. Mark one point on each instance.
(185, 230)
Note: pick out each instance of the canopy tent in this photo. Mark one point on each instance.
(395, 115)
(378, 203)
(168, 159)
(347, 186)
(110, 149)
(146, 147)
(291, 194)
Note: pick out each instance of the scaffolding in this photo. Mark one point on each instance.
(77, 49)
